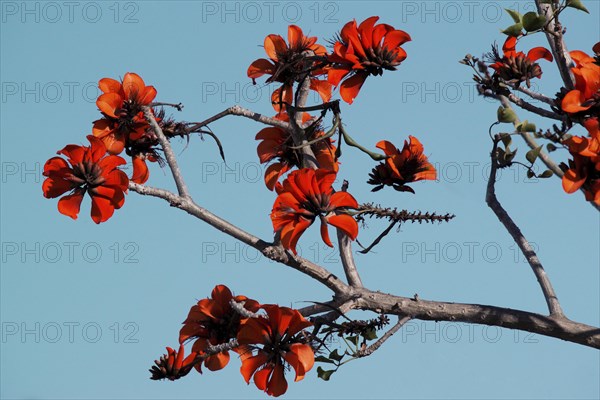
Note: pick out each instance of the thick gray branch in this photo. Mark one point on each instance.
(553, 326)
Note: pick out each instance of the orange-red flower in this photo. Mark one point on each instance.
(515, 66)
(402, 166)
(173, 365)
(124, 125)
(87, 169)
(277, 342)
(586, 95)
(364, 50)
(305, 195)
(291, 62)
(276, 144)
(213, 321)
(584, 170)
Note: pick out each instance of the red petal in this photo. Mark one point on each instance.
(295, 36)
(108, 85)
(217, 362)
(133, 85)
(277, 384)
(251, 364)
(274, 44)
(108, 103)
(102, 209)
(259, 68)
(539, 52)
(69, 205)
(351, 86)
(140, 171)
(388, 148)
(343, 199)
(395, 38)
(321, 87)
(346, 223)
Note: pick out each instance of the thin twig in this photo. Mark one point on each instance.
(519, 238)
(242, 112)
(532, 143)
(168, 152)
(535, 95)
(372, 348)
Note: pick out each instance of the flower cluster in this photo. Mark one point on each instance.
(584, 100)
(402, 166)
(277, 144)
(515, 66)
(305, 196)
(87, 170)
(93, 169)
(266, 343)
(583, 171)
(299, 59)
(363, 50)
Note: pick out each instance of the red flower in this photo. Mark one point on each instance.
(586, 95)
(173, 365)
(362, 51)
(584, 170)
(281, 344)
(213, 321)
(87, 170)
(305, 195)
(289, 63)
(276, 143)
(124, 125)
(515, 66)
(402, 166)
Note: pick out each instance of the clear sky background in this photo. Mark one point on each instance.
(85, 309)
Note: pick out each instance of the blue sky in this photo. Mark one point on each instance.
(85, 309)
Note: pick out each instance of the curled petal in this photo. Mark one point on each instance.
(345, 223)
(351, 86)
(69, 205)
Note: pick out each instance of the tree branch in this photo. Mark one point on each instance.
(554, 35)
(519, 238)
(242, 112)
(372, 348)
(169, 155)
(269, 250)
(552, 326)
(532, 143)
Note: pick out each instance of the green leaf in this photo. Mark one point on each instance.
(515, 15)
(324, 374)
(324, 360)
(506, 139)
(577, 4)
(371, 334)
(353, 340)
(526, 126)
(335, 356)
(532, 21)
(546, 174)
(506, 115)
(513, 30)
(550, 147)
(533, 154)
